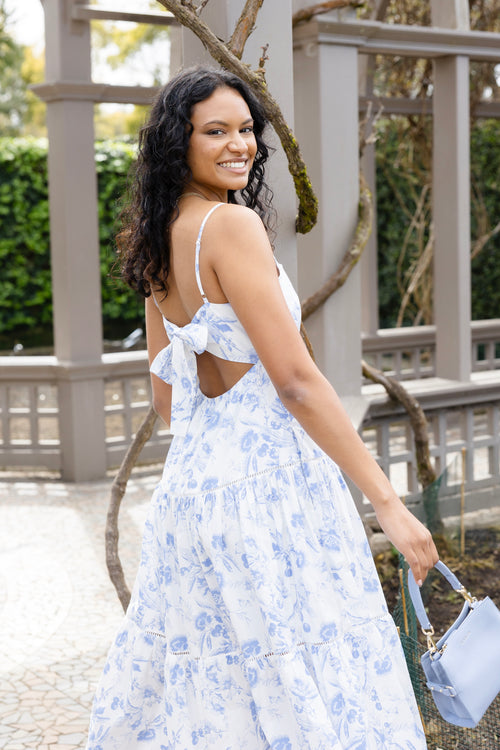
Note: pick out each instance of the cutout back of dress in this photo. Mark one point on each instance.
(214, 328)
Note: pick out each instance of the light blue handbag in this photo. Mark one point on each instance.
(463, 667)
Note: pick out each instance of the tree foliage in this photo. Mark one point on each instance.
(130, 46)
(32, 72)
(12, 88)
(125, 52)
(25, 292)
(140, 50)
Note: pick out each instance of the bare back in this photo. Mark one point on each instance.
(184, 298)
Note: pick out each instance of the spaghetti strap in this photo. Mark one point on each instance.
(197, 256)
(155, 301)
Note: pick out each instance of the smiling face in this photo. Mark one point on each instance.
(222, 146)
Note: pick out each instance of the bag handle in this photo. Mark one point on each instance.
(416, 599)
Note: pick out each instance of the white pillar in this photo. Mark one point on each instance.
(76, 284)
(273, 27)
(326, 97)
(451, 202)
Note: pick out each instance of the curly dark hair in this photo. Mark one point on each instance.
(161, 173)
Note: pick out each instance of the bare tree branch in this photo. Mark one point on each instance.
(421, 266)
(263, 58)
(480, 242)
(381, 9)
(308, 203)
(367, 128)
(351, 257)
(244, 27)
(118, 488)
(201, 6)
(307, 341)
(425, 471)
(301, 16)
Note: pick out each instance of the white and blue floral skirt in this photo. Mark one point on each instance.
(257, 620)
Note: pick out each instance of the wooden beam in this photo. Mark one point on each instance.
(98, 13)
(94, 92)
(398, 105)
(373, 37)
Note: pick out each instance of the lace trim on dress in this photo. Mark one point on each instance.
(269, 470)
(286, 652)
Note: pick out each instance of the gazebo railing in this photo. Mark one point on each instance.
(464, 439)
(29, 414)
(127, 396)
(29, 410)
(462, 416)
(408, 353)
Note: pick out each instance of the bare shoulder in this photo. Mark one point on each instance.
(238, 229)
(232, 216)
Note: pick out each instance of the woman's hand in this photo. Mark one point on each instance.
(410, 537)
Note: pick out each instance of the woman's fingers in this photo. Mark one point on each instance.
(411, 538)
(423, 557)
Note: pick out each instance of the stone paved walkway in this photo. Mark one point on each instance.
(58, 609)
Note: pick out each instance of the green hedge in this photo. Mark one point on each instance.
(485, 168)
(25, 291)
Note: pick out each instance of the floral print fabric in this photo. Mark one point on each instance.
(257, 621)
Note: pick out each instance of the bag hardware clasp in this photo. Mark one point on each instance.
(467, 595)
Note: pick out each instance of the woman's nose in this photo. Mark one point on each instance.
(237, 143)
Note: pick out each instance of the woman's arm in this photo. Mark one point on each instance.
(241, 257)
(157, 340)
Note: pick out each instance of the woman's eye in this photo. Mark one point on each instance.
(216, 131)
(248, 129)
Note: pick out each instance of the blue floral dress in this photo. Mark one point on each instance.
(257, 620)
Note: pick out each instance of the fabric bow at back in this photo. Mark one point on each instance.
(176, 364)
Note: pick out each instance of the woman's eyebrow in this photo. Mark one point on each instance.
(226, 124)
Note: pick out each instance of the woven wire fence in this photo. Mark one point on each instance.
(440, 735)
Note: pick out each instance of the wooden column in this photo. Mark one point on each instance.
(273, 27)
(326, 112)
(451, 201)
(76, 285)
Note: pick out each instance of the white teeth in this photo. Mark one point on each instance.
(233, 164)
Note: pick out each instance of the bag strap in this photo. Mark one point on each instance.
(416, 596)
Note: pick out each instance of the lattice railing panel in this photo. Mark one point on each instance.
(464, 440)
(29, 423)
(126, 402)
(409, 353)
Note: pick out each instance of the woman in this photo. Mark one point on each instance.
(257, 619)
